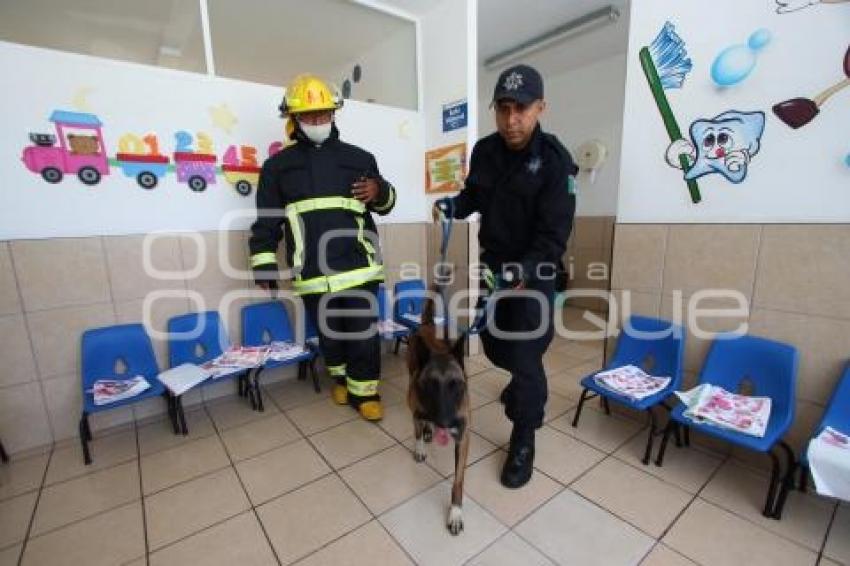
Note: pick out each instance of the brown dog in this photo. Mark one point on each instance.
(439, 400)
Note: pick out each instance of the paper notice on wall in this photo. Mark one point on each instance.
(445, 169)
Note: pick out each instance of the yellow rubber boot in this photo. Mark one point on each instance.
(339, 394)
(371, 410)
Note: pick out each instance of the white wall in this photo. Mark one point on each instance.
(389, 71)
(798, 175)
(582, 104)
(447, 42)
(138, 99)
(444, 53)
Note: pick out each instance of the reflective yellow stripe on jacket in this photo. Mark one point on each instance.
(310, 205)
(263, 258)
(387, 205)
(340, 281)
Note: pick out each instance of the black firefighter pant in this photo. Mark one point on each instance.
(522, 356)
(353, 361)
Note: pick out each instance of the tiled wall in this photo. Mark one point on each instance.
(590, 243)
(794, 277)
(52, 290)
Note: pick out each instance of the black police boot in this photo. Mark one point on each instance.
(520, 463)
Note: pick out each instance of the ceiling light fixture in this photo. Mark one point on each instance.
(588, 22)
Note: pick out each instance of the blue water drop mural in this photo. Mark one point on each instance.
(735, 63)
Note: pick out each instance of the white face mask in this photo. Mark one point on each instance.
(316, 134)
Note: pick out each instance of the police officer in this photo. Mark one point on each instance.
(321, 192)
(521, 181)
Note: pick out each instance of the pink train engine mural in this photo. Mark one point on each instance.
(81, 151)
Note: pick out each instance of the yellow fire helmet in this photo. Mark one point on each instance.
(309, 93)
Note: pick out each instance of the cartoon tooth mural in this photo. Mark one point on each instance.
(724, 144)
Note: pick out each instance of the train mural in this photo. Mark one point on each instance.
(81, 151)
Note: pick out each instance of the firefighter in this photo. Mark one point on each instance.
(319, 192)
(521, 180)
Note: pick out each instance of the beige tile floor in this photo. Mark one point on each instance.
(308, 482)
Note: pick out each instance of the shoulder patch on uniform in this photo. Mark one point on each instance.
(562, 153)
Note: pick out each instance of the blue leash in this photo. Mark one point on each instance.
(483, 307)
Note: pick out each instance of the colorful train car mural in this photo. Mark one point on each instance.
(81, 151)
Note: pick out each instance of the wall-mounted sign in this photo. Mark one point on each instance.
(454, 115)
(445, 169)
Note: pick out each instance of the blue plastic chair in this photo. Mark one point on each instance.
(837, 416)
(385, 313)
(196, 338)
(262, 324)
(657, 355)
(764, 368)
(409, 297)
(311, 333)
(311, 340)
(102, 349)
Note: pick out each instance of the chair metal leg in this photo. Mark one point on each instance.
(84, 438)
(249, 389)
(241, 386)
(687, 436)
(671, 425)
(581, 401)
(787, 480)
(605, 405)
(181, 415)
(172, 412)
(771, 488)
(804, 478)
(257, 392)
(315, 375)
(678, 437)
(302, 371)
(652, 432)
(88, 430)
(397, 344)
(3, 456)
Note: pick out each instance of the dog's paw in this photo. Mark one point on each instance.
(455, 522)
(427, 433)
(419, 453)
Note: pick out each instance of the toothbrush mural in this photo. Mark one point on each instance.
(81, 151)
(666, 64)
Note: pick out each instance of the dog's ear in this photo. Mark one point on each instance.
(428, 311)
(418, 353)
(458, 349)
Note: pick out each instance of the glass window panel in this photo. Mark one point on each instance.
(166, 33)
(271, 41)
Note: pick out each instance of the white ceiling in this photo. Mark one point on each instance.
(503, 24)
(416, 8)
